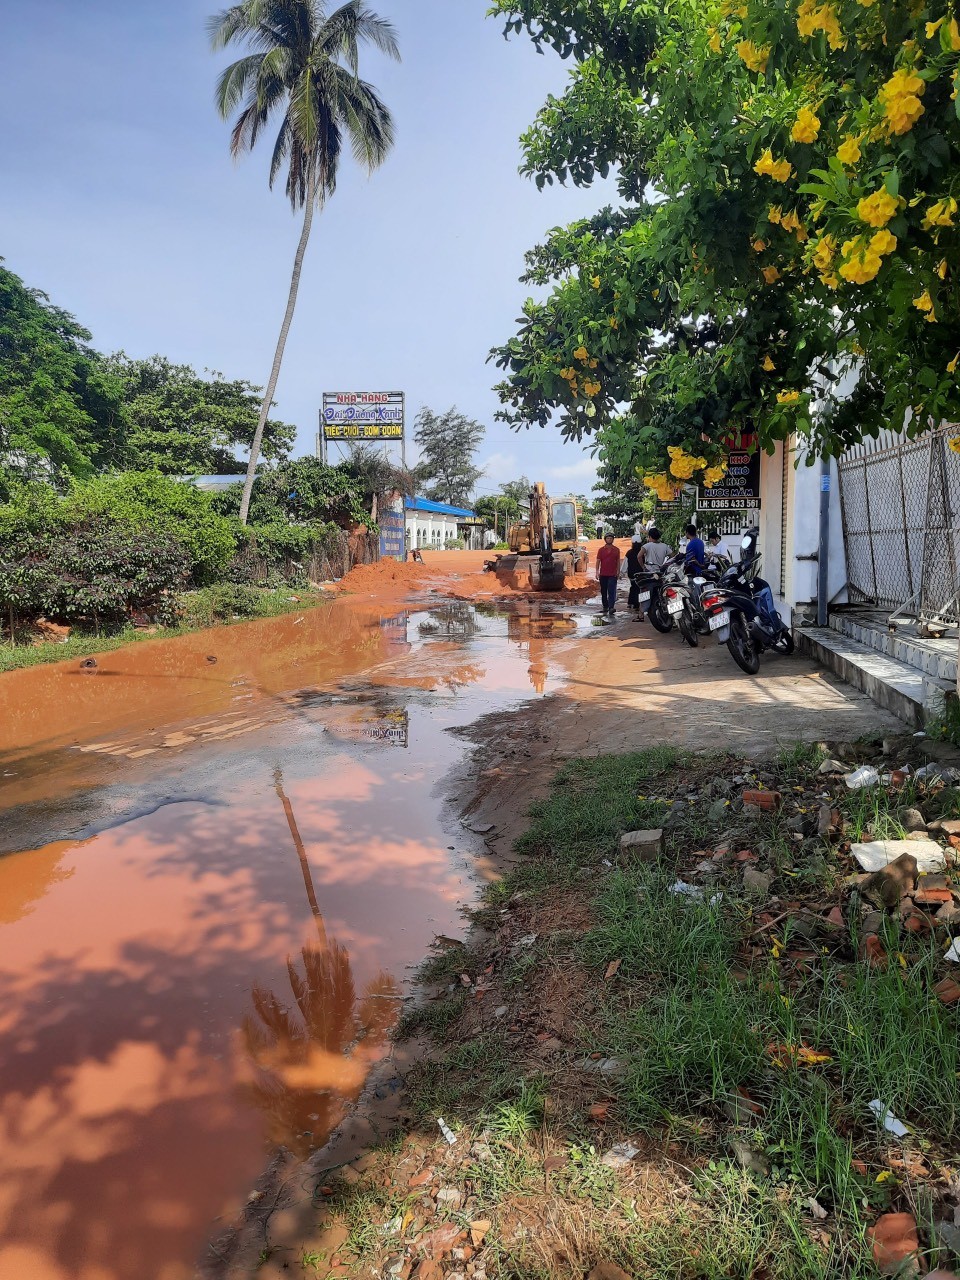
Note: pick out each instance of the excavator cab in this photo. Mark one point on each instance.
(544, 549)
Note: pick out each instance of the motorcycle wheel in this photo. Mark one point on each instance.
(784, 644)
(659, 616)
(742, 649)
(688, 630)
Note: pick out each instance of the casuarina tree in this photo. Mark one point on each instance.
(448, 442)
(301, 76)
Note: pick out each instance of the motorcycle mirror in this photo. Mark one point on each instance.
(745, 542)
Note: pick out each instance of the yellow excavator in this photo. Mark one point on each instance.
(545, 549)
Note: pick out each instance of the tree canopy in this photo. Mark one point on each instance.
(181, 423)
(448, 442)
(60, 406)
(789, 172)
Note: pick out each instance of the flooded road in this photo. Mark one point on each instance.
(223, 854)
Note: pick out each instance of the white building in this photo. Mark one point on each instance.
(437, 524)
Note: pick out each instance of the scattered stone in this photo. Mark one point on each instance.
(766, 800)
(439, 1242)
(619, 1157)
(893, 1239)
(749, 1158)
(912, 820)
(608, 1271)
(835, 917)
(933, 891)
(647, 846)
(717, 811)
(874, 952)
(832, 767)
(948, 914)
(421, 1179)
(478, 1231)
(948, 990)
(949, 826)
(500, 1012)
(946, 1235)
(876, 854)
(757, 882)
(612, 1068)
(479, 828)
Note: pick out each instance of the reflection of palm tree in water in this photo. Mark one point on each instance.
(310, 1060)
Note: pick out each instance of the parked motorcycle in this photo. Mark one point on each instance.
(687, 592)
(740, 610)
(652, 585)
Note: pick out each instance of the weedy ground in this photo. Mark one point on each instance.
(729, 1032)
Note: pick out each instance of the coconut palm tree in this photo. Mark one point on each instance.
(302, 74)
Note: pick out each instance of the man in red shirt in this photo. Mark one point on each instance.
(608, 569)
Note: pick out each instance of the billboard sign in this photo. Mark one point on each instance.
(363, 415)
(393, 534)
(739, 490)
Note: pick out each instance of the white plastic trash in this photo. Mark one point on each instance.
(865, 776)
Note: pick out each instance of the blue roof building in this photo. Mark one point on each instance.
(437, 524)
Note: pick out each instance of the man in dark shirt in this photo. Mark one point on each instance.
(635, 566)
(608, 567)
(695, 557)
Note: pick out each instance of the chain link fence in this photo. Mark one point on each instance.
(901, 523)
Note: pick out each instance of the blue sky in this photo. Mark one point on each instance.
(122, 203)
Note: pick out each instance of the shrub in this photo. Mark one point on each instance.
(220, 603)
(95, 572)
(146, 500)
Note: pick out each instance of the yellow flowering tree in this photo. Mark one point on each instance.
(789, 232)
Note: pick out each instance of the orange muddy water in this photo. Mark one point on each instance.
(223, 854)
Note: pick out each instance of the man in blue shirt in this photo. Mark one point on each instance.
(695, 559)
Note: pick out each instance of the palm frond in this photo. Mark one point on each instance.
(354, 24)
(368, 121)
(235, 81)
(228, 25)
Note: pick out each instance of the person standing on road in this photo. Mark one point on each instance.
(635, 566)
(608, 570)
(655, 552)
(695, 553)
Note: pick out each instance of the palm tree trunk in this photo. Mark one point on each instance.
(278, 356)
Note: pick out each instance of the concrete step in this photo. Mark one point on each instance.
(910, 693)
(936, 658)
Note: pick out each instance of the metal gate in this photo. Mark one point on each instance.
(901, 523)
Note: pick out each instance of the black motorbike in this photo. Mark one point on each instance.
(651, 585)
(688, 591)
(740, 610)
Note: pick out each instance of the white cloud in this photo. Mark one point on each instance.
(584, 470)
(498, 469)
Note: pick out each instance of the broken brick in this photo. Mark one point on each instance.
(948, 990)
(873, 951)
(893, 1239)
(767, 800)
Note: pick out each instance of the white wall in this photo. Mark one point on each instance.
(798, 588)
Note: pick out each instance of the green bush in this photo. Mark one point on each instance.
(95, 572)
(146, 500)
(220, 603)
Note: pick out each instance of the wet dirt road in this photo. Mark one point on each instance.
(223, 854)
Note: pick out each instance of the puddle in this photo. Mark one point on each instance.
(237, 864)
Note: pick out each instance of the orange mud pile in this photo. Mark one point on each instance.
(386, 574)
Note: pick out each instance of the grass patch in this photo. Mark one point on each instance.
(212, 606)
(592, 802)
